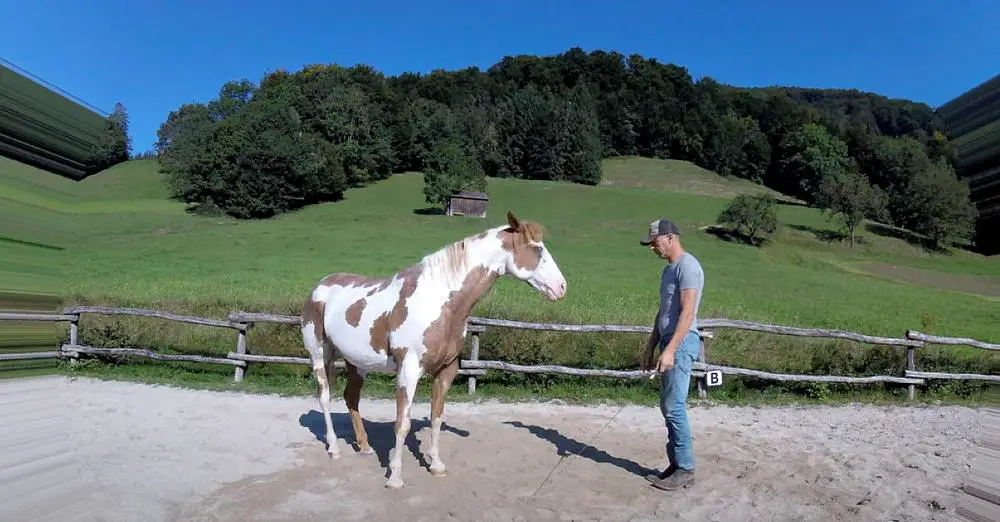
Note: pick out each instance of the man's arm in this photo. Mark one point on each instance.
(651, 342)
(654, 336)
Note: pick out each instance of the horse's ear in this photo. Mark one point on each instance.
(513, 222)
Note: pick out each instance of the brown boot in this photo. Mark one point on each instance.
(680, 478)
(653, 477)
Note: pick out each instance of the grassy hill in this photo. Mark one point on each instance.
(676, 176)
(125, 244)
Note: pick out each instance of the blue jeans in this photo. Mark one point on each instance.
(674, 385)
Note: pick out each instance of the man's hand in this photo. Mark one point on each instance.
(665, 362)
(646, 361)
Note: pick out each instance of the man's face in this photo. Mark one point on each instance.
(661, 245)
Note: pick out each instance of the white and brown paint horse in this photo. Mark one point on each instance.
(414, 324)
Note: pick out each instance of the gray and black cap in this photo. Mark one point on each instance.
(658, 228)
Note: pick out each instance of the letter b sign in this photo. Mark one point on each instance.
(713, 378)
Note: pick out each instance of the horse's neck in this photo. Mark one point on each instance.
(466, 264)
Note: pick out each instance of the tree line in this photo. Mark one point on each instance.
(114, 145)
(299, 138)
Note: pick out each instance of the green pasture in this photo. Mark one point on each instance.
(115, 239)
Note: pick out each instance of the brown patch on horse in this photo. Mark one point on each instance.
(389, 321)
(379, 333)
(516, 242)
(533, 231)
(400, 409)
(351, 279)
(353, 313)
(441, 385)
(443, 338)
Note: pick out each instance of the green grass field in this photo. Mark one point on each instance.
(117, 240)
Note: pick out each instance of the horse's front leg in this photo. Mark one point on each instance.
(442, 383)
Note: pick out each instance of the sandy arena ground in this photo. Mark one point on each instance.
(106, 451)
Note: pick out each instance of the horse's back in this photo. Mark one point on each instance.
(353, 310)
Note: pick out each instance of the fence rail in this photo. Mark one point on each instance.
(242, 322)
(937, 339)
(25, 356)
(141, 312)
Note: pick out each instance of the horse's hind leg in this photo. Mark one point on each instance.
(327, 379)
(352, 397)
(439, 390)
(322, 352)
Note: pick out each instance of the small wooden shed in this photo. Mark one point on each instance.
(468, 203)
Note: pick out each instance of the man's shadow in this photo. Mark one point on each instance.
(567, 446)
(381, 435)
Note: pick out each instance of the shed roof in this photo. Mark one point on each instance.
(466, 194)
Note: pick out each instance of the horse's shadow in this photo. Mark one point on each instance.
(567, 446)
(381, 435)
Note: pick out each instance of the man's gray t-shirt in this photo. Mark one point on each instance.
(685, 273)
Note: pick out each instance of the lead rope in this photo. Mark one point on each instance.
(585, 446)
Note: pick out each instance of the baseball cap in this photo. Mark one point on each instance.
(659, 228)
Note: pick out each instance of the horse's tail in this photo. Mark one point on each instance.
(312, 324)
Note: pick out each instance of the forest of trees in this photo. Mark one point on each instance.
(304, 137)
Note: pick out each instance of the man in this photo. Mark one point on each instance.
(675, 332)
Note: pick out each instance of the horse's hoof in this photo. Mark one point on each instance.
(394, 483)
(366, 451)
(333, 455)
(439, 472)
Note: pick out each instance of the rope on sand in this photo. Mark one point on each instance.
(585, 446)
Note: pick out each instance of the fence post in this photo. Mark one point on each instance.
(702, 358)
(74, 336)
(241, 348)
(473, 356)
(911, 365)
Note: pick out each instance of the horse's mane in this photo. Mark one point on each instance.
(450, 263)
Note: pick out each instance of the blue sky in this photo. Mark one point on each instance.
(154, 56)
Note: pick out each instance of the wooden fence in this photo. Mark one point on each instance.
(242, 322)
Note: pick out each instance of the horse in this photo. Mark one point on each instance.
(414, 323)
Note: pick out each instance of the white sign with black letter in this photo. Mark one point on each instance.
(713, 378)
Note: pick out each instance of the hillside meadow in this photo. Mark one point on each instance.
(115, 239)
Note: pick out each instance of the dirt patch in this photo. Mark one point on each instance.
(159, 453)
(980, 285)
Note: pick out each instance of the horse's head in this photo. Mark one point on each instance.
(528, 260)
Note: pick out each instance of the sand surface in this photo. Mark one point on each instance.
(80, 449)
